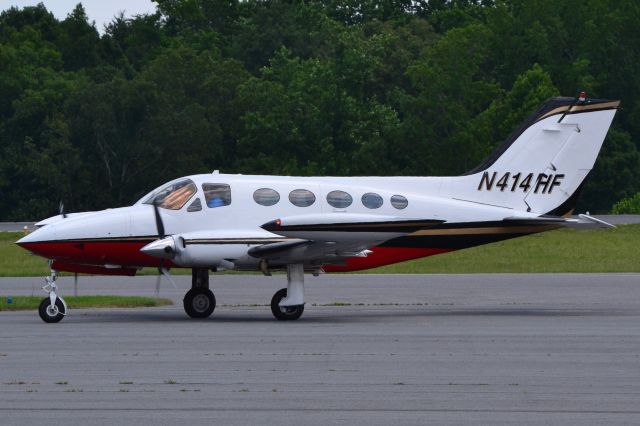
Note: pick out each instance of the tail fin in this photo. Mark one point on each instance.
(541, 166)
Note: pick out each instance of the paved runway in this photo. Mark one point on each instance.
(406, 349)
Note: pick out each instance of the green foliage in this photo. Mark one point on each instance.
(629, 205)
(337, 87)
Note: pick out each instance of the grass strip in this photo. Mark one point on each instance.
(23, 303)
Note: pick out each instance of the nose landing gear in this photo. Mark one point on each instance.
(53, 308)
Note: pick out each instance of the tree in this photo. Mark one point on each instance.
(629, 205)
(77, 40)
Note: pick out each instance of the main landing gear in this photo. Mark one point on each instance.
(286, 304)
(52, 308)
(199, 302)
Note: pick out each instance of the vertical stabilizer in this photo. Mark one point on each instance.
(542, 165)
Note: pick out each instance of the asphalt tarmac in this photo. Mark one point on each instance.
(489, 349)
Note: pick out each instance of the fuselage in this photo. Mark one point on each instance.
(113, 238)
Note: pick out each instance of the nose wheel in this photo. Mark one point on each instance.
(52, 313)
(52, 308)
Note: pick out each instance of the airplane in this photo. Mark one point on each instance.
(213, 222)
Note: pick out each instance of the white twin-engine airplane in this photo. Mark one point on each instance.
(333, 224)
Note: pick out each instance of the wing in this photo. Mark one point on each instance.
(330, 239)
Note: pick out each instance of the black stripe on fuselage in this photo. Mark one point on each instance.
(224, 241)
(460, 236)
(453, 242)
(395, 226)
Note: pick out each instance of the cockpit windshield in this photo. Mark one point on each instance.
(174, 195)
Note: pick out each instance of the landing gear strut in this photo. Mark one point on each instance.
(199, 302)
(288, 303)
(52, 308)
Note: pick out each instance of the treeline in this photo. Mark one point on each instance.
(325, 87)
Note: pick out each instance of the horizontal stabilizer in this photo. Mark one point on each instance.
(583, 221)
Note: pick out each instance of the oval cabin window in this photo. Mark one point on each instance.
(339, 199)
(371, 200)
(302, 197)
(399, 202)
(266, 196)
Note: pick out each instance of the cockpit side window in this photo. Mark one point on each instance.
(217, 194)
(195, 206)
(173, 196)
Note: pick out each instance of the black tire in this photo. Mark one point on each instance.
(288, 313)
(199, 303)
(51, 314)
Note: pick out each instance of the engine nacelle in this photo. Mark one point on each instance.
(212, 249)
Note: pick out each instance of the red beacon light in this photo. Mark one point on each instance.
(582, 96)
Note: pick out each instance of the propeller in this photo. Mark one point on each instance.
(162, 271)
(159, 224)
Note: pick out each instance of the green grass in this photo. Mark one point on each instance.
(17, 262)
(22, 303)
(565, 250)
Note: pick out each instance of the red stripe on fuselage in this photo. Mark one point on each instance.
(125, 253)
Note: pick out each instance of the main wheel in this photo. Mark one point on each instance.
(284, 313)
(199, 303)
(51, 313)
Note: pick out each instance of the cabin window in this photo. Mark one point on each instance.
(399, 202)
(302, 197)
(339, 199)
(195, 206)
(216, 194)
(173, 196)
(266, 196)
(371, 200)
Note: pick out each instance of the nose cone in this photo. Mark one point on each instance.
(26, 240)
(32, 241)
(164, 248)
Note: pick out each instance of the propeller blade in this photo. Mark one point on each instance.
(158, 283)
(159, 224)
(165, 273)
